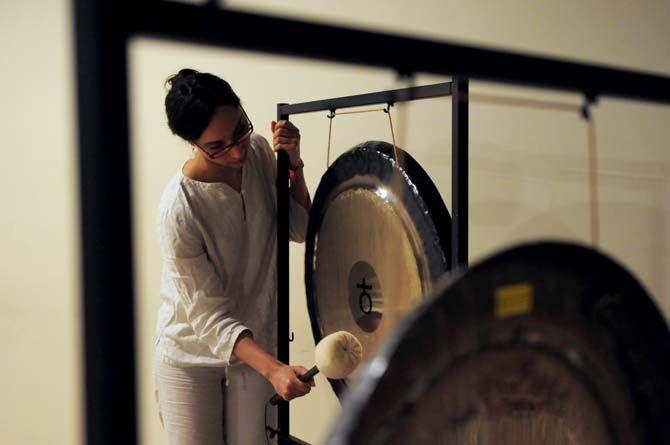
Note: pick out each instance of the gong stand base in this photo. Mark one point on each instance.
(285, 439)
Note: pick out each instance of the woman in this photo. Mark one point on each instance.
(215, 365)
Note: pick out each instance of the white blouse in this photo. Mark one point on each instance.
(219, 251)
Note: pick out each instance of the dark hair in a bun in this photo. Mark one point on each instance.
(192, 99)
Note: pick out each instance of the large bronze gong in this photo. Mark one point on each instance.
(378, 238)
(546, 343)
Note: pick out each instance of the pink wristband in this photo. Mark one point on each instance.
(293, 171)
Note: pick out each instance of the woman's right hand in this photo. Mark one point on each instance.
(284, 378)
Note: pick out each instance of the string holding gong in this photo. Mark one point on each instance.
(333, 113)
(379, 236)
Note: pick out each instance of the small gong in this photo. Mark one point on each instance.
(378, 238)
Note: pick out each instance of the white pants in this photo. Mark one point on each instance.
(197, 407)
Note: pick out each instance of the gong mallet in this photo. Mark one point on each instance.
(336, 356)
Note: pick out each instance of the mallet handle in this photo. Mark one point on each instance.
(306, 377)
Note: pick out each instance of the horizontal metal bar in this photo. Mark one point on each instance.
(212, 26)
(394, 96)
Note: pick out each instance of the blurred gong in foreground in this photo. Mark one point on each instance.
(546, 343)
(378, 238)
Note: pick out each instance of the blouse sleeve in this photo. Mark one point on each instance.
(298, 215)
(190, 276)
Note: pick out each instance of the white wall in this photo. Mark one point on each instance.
(39, 295)
(528, 168)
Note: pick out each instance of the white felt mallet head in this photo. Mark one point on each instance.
(337, 355)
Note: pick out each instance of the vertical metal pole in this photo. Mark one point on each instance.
(459, 173)
(105, 218)
(282, 272)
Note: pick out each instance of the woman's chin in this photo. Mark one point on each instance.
(229, 163)
(238, 164)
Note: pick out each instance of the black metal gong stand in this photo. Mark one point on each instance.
(103, 29)
(458, 90)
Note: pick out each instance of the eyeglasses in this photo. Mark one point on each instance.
(244, 130)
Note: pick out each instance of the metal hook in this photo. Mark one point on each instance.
(388, 107)
(331, 114)
(585, 110)
(292, 337)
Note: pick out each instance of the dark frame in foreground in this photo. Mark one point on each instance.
(103, 29)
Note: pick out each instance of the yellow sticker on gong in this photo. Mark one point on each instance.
(514, 299)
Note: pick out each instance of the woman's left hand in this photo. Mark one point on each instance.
(286, 136)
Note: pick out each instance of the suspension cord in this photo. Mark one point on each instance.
(594, 219)
(332, 115)
(585, 111)
(395, 150)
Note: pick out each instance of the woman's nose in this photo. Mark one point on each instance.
(237, 151)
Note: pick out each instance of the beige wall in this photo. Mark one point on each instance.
(528, 168)
(39, 294)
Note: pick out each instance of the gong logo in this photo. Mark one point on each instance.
(365, 296)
